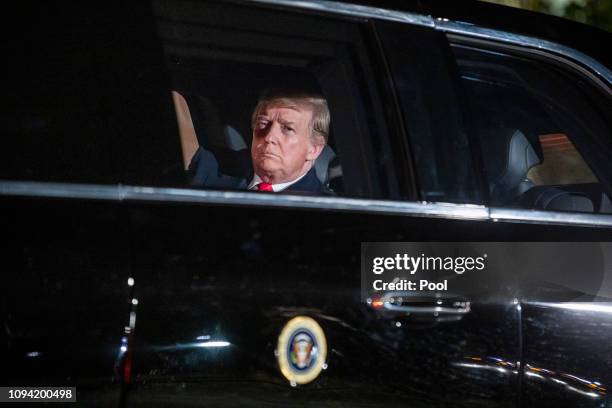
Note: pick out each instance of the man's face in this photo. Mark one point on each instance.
(282, 149)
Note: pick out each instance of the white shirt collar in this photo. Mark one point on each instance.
(275, 187)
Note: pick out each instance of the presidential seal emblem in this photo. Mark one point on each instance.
(301, 350)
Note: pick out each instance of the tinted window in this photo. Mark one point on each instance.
(544, 131)
(87, 89)
(223, 57)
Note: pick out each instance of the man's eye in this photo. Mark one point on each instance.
(288, 128)
(261, 124)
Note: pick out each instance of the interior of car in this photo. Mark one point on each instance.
(218, 73)
(219, 133)
(533, 144)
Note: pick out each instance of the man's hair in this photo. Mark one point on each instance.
(319, 124)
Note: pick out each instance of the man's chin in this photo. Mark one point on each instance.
(268, 172)
(268, 165)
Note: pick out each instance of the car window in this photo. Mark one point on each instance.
(544, 131)
(223, 57)
(52, 140)
(86, 105)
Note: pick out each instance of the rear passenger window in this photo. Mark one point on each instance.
(222, 58)
(87, 89)
(543, 130)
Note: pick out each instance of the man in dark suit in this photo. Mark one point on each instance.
(289, 132)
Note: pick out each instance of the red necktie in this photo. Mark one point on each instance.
(265, 187)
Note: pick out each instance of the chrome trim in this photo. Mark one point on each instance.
(240, 198)
(444, 25)
(445, 310)
(354, 10)
(598, 307)
(550, 217)
(426, 309)
(243, 198)
(447, 26)
(60, 190)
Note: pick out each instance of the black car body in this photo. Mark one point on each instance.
(122, 280)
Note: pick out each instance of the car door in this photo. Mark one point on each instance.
(66, 294)
(183, 296)
(64, 291)
(560, 116)
(220, 274)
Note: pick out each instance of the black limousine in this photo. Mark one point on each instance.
(450, 122)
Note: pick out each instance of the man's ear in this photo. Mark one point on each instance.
(314, 150)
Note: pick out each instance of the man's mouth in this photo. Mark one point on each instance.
(268, 154)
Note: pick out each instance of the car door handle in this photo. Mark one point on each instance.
(420, 303)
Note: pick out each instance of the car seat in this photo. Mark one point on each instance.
(555, 199)
(508, 157)
(322, 165)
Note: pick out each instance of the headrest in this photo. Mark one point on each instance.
(606, 205)
(322, 164)
(233, 139)
(508, 155)
(207, 121)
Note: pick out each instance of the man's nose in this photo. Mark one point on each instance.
(273, 133)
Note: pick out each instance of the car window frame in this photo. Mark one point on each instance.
(428, 104)
(382, 175)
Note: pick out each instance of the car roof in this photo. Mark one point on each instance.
(587, 39)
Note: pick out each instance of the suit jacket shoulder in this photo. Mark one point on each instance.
(210, 169)
(205, 171)
(309, 183)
